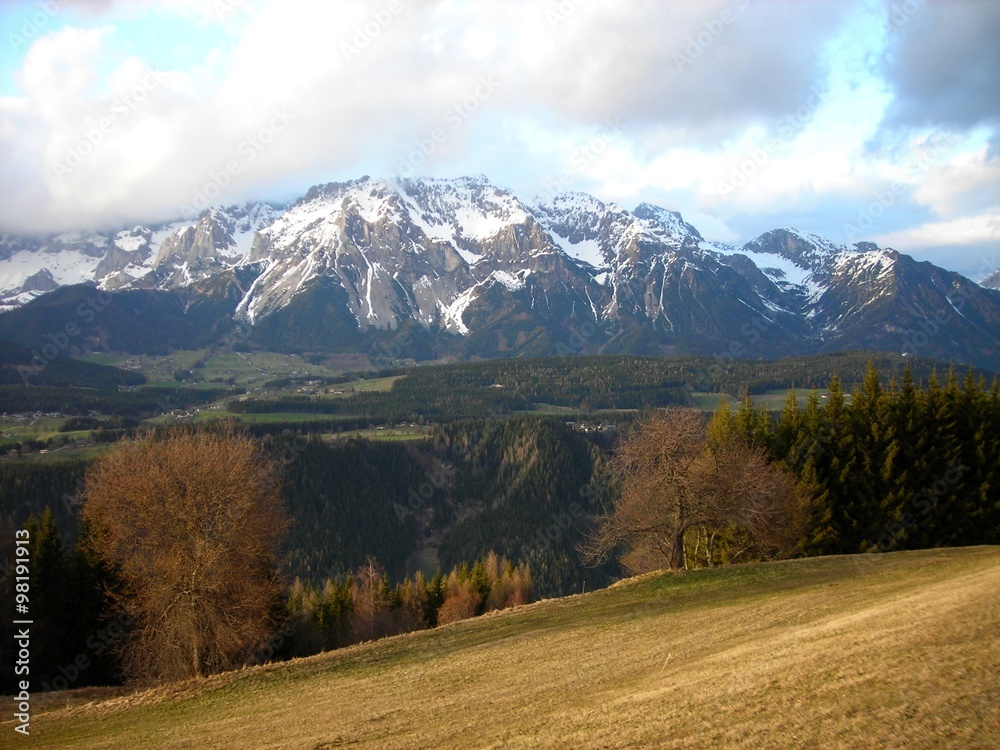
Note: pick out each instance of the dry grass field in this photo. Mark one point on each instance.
(875, 651)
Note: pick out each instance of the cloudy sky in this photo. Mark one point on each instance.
(875, 119)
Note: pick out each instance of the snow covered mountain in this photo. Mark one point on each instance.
(158, 256)
(446, 255)
(660, 274)
(430, 268)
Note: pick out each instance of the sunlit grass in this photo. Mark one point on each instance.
(895, 650)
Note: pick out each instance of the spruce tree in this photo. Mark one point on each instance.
(786, 432)
(873, 431)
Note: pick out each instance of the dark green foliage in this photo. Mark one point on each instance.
(140, 402)
(320, 320)
(71, 635)
(345, 500)
(897, 467)
(529, 489)
(500, 387)
(21, 366)
(526, 487)
(29, 489)
(141, 321)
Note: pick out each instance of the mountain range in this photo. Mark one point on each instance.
(421, 269)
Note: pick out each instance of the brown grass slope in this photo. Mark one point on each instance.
(898, 650)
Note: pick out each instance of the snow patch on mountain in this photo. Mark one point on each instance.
(879, 262)
(130, 241)
(67, 267)
(452, 314)
(588, 251)
(469, 208)
(668, 226)
(783, 271)
(992, 281)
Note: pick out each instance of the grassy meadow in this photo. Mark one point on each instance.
(895, 650)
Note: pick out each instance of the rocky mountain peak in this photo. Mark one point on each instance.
(670, 223)
(40, 281)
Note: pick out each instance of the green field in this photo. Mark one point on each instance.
(40, 428)
(68, 453)
(389, 433)
(248, 369)
(376, 385)
(710, 401)
(868, 651)
(773, 400)
(206, 415)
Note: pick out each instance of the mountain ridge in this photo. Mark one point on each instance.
(460, 268)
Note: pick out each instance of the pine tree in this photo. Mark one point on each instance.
(435, 598)
(52, 637)
(901, 468)
(934, 497)
(752, 425)
(786, 432)
(92, 604)
(810, 457)
(835, 472)
(873, 432)
(722, 425)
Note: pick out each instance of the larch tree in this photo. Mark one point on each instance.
(191, 523)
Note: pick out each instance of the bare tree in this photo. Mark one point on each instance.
(191, 523)
(676, 489)
(372, 598)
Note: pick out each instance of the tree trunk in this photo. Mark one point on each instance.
(676, 561)
(196, 658)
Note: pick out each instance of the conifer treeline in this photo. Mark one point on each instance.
(367, 605)
(906, 466)
(73, 630)
(76, 634)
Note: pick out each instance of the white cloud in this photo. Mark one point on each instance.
(59, 73)
(697, 87)
(965, 230)
(968, 182)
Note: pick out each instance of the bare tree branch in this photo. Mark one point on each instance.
(672, 481)
(191, 524)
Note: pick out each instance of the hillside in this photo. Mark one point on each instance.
(893, 650)
(21, 367)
